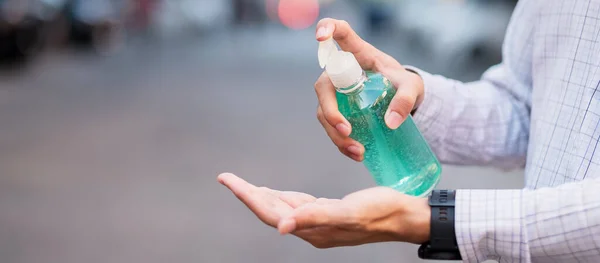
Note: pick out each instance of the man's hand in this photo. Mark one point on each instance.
(372, 215)
(409, 85)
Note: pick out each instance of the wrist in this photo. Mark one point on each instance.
(412, 221)
(421, 221)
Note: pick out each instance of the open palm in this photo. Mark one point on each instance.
(270, 206)
(371, 215)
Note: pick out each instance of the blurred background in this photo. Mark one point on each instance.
(117, 115)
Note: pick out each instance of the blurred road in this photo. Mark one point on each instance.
(114, 159)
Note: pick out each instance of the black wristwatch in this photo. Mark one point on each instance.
(442, 243)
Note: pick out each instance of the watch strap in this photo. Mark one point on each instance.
(442, 243)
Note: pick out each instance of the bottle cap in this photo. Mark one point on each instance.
(341, 67)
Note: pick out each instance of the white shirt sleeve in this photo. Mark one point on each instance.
(559, 224)
(484, 122)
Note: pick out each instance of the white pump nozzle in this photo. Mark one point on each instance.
(342, 67)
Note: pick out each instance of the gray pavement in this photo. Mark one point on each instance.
(114, 159)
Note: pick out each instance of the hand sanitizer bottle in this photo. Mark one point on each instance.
(401, 158)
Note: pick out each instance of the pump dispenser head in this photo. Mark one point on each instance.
(341, 67)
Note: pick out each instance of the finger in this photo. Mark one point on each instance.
(335, 136)
(356, 157)
(346, 145)
(404, 100)
(326, 201)
(242, 190)
(296, 199)
(314, 215)
(263, 202)
(399, 108)
(344, 35)
(238, 186)
(349, 41)
(329, 107)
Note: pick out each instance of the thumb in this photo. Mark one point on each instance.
(409, 91)
(313, 215)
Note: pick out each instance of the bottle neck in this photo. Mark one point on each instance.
(356, 87)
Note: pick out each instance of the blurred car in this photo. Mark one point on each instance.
(22, 24)
(378, 13)
(245, 11)
(456, 31)
(97, 24)
(184, 16)
(28, 25)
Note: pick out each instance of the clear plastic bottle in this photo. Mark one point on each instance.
(401, 158)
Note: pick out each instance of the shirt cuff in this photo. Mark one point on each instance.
(489, 225)
(427, 113)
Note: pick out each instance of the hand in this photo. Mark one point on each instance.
(409, 86)
(372, 215)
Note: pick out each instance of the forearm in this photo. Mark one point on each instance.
(479, 123)
(551, 224)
